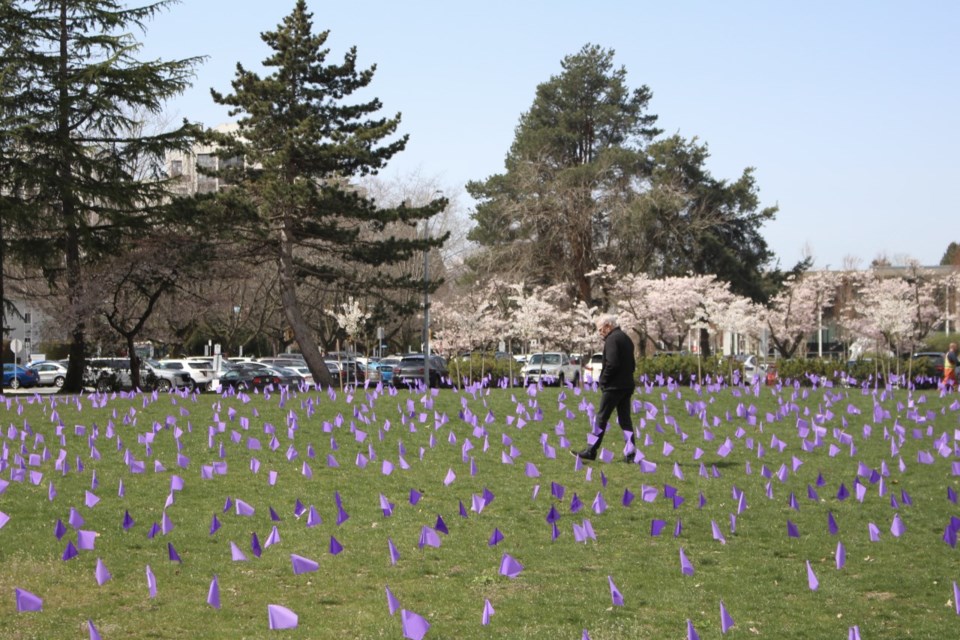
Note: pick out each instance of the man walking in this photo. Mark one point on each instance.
(616, 383)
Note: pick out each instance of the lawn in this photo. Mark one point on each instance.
(437, 496)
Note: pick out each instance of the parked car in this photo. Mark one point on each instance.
(51, 373)
(113, 374)
(16, 376)
(411, 369)
(593, 367)
(200, 371)
(248, 378)
(549, 368)
(751, 365)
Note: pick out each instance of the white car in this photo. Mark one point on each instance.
(593, 367)
(51, 373)
(552, 367)
(200, 371)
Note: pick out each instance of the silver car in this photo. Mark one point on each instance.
(51, 373)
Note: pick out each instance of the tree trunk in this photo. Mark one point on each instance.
(293, 313)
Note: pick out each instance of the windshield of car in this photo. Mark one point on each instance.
(544, 358)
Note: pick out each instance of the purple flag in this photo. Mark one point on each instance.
(214, 524)
(26, 601)
(717, 535)
(686, 568)
(428, 538)
(127, 520)
(244, 509)
(274, 515)
(394, 554)
(441, 526)
(392, 603)
(792, 530)
(874, 531)
(812, 581)
(956, 598)
(615, 594)
(414, 627)
(509, 566)
(313, 518)
(94, 634)
(303, 565)
(853, 633)
(236, 554)
(495, 538)
(255, 544)
(151, 583)
(59, 529)
(897, 528)
(279, 617)
(725, 620)
(841, 555)
(86, 540)
(415, 496)
(273, 538)
(335, 546)
(101, 573)
(70, 552)
(213, 594)
(172, 553)
(691, 632)
(832, 524)
(487, 612)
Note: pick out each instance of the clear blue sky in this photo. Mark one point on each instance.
(847, 110)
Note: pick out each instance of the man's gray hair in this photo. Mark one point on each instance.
(608, 320)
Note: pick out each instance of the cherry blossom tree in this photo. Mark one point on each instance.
(796, 311)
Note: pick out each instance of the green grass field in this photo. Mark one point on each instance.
(511, 444)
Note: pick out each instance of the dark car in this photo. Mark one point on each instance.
(411, 369)
(15, 376)
(113, 374)
(248, 378)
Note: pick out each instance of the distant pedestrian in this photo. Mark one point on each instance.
(616, 383)
(950, 364)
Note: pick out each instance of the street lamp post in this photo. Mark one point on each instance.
(236, 328)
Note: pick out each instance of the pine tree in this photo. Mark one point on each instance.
(77, 143)
(301, 142)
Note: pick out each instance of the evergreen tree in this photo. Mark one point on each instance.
(951, 257)
(301, 141)
(77, 146)
(576, 151)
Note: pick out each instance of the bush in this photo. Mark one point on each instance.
(477, 366)
(684, 368)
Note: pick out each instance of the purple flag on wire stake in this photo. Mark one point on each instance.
(956, 598)
(94, 634)
(392, 603)
(841, 555)
(792, 530)
(428, 538)
(487, 612)
(897, 528)
(172, 553)
(495, 538)
(151, 582)
(244, 509)
(255, 545)
(812, 581)
(509, 566)
(686, 568)
(725, 620)
(27, 601)
(853, 633)
(236, 554)
(101, 573)
(303, 565)
(413, 626)
(70, 552)
(213, 593)
(691, 632)
(441, 526)
(394, 553)
(615, 594)
(214, 525)
(279, 617)
(335, 546)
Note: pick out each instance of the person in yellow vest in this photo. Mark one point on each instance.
(950, 365)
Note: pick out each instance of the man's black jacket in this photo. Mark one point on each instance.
(618, 362)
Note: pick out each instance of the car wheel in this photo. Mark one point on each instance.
(14, 382)
(58, 381)
(163, 385)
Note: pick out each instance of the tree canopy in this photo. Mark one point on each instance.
(301, 141)
(588, 181)
(80, 162)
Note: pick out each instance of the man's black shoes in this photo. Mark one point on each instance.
(586, 454)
